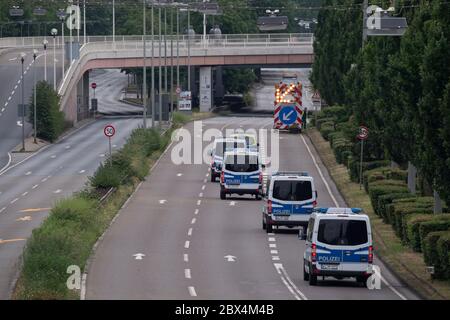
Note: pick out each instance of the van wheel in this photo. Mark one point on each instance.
(257, 196)
(362, 279)
(223, 195)
(264, 226)
(213, 177)
(269, 228)
(312, 278)
(305, 274)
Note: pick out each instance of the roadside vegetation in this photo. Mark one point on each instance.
(74, 224)
(50, 120)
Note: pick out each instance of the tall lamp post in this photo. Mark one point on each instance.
(22, 60)
(34, 94)
(54, 32)
(144, 86)
(45, 43)
(62, 16)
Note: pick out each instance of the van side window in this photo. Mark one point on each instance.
(310, 230)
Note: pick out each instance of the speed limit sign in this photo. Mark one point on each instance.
(109, 131)
(363, 133)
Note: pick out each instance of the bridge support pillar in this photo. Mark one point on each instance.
(83, 97)
(206, 102)
(219, 89)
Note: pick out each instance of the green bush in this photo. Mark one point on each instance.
(340, 113)
(346, 157)
(399, 217)
(340, 146)
(384, 200)
(180, 118)
(321, 121)
(354, 167)
(412, 224)
(436, 224)
(105, 177)
(430, 252)
(443, 246)
(326, 128)
(379, 188)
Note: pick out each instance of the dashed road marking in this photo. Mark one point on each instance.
(186, 244)
(271, 239)
(190, 232)
(187, 273)
(196, 211)
(28, 173)
(2, 209)
(24, 194)
(199, 202)
(185, 257)
(200, 195)
(14, 201)
(57, 191)
(275, 258)
(273, 251)
(203, 187)
(35, 186)
(82, 171)
(193, 221)
(192, 291)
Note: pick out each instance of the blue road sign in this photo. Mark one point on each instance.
(288, 115)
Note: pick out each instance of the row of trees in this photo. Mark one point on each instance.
(398, 87)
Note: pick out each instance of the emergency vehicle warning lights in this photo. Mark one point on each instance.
(285, 93)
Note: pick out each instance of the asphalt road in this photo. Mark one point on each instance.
(11, 95)
(175, 236)
(29, 189)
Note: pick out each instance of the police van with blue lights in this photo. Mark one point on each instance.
(217, 153)
(241, 173)
(290, 198)
(338, 244)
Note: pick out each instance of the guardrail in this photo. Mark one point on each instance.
(211, 40)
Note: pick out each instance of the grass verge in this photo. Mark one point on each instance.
(68, 234)
(404, 262)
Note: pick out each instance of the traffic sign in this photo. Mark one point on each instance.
(316, 96)
(288, 115)
(109, 131)
(93, 85)
(363, 133)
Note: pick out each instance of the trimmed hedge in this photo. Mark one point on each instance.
(321, 121)
(437, 257)
(384, 200)
(437, 224)
(354, 167)
(379, 188)
(412, 223)
(326, 128)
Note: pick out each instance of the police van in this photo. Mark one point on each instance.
(250, 140)
(220, 146)
(241, 173)
(290, 198)
(338, 244)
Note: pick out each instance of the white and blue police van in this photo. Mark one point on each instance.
(338, 244)
(290, 198)
(250, 140)
(241, 173)
(220, 146)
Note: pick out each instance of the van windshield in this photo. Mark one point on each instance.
(222, 146)
(342, 232)
(241, 163)
(292, 190)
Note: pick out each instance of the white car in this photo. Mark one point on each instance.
(338, 244)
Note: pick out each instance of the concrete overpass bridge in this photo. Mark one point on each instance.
(99, 52)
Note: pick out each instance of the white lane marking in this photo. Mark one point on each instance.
(18, 82)
(190, 232)
(15, 200)
(24, 194)
(12, 93)
(196, 211)
(193, 221)
(2, 209)
(28, 173)
(192, 291)
(15, 87)
(68, 147)
(199, 202)
(320, 172)
(35, 186)
(273, 251)
(102, 155)
(186, 244)
(200, 195)
(275, 258)
(45, 179)
(230, 258)
(207, 175)
(57, 191)
(272, 239)
(53, 156)
(179, 174)
(162, 201)
(185, 257)
(203, 187)
(271, 234)
(9, 99)
(26, 218)
(82, 171)
(7, 165)
(138, 256)
(393, 289)
(19, 123)
(187, 273)
(205, 180)
(232, 203)
(288, 282)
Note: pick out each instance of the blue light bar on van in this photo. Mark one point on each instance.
(338, 210)
(356, 210)
(291, 173)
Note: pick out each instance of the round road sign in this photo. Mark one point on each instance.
(288, 115)
(109, 131)
(363, 133)
(93, 85)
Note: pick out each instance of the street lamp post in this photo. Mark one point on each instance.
(152, 94)
(84, 21)
(45, 42)
(144, 87)
(160, 72)
(22, 60)
(178, 47)
(62, 17)
(171, 63)
(54, 33)
(189, 50)
(34, 94)
(165, 50)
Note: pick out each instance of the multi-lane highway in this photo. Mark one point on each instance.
(11, 94)
(30, 188)
(175, 238)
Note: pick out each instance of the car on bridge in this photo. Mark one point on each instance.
(290, 198)
(338, 244)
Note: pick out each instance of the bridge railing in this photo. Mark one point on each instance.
(197, 40)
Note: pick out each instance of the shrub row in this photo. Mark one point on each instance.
(436, 253)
